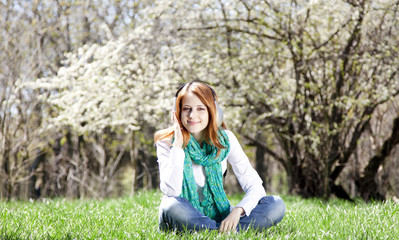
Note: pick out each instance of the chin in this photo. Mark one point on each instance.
(195, 130)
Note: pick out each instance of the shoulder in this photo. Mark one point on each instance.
(236, 154)
(229, 133)
(164, 143)
(232, 137)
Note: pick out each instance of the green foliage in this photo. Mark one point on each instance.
(136, 217)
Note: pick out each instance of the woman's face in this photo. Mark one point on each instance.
(194, 116)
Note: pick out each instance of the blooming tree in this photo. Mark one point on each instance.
(299, 79)
(34, 37)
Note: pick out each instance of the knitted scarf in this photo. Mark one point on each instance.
(215, 204)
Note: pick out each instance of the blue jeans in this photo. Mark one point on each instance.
(176, 213)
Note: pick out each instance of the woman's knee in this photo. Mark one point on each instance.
(279, 208)
(171, 214)
(177, 213)
(173, 207)
(274, 211)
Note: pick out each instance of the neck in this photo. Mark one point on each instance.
(199, 137)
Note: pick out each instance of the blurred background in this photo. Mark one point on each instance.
(309, 87)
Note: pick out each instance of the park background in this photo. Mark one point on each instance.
(309, 87)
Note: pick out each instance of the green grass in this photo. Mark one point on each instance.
(137, 218)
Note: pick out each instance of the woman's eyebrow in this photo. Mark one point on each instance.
(200, 105)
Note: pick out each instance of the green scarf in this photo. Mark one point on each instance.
(215, 204)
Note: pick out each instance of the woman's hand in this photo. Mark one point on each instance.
(178, 132)
(231, 221)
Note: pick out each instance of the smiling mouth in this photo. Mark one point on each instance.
(192, 123)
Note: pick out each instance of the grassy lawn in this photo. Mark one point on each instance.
(137, 218)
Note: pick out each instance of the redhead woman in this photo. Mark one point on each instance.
(193, 156)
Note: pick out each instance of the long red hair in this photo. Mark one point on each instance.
(207, 97)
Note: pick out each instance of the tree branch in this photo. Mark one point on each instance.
(265, 148)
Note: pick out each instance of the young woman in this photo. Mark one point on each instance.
(192, 157)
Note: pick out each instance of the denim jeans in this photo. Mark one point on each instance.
(176, 213)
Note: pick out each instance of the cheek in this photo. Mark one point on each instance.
(182, 115)
(205, 117)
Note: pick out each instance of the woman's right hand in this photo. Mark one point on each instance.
(178, 132)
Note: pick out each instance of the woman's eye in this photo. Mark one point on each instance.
(201, 109)
(186, 109)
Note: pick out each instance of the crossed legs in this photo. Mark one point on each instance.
(176, 213)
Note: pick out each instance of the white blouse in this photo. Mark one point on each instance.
(171, 165)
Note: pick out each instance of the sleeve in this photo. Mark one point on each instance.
(171, 165)
(246, 175)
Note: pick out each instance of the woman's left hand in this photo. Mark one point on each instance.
(231, 221)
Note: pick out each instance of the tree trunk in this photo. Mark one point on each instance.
(154, 172)
(7, 175)
(36, 178)
(367, 184)
(133, 160)
(260, 165)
